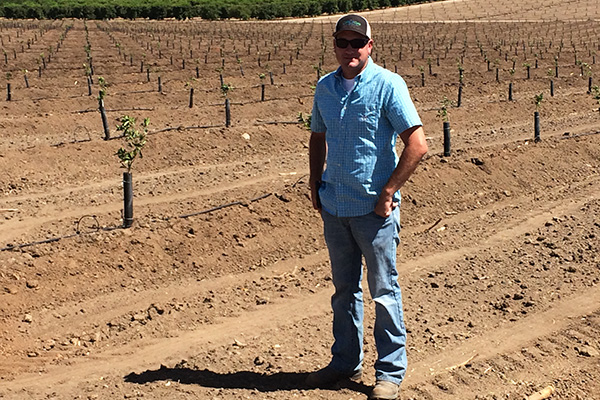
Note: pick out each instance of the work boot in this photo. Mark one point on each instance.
(328, 376)
(384, 390)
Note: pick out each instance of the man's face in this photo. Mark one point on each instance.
(352, 60)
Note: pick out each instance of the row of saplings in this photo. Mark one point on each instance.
(446, 104)
(135, 140)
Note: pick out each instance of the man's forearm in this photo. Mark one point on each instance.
(409, 161)
(317, 151)
(415, 147)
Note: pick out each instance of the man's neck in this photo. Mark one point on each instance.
(353, 73)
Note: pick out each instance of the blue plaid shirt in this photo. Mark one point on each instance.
(361, 130)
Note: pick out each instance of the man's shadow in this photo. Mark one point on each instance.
(262, 382)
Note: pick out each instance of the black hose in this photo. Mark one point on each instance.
(98, 228)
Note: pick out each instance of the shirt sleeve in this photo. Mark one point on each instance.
(400, 109)
(316, 122)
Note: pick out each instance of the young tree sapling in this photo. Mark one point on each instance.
(135, 140)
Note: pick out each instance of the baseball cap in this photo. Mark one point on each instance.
(355, 23)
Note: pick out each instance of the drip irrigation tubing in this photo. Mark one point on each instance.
(96, 228)
(235, 203)
(259, 122)
(565, 136)
(183, 128)
(176, 128)
(113, 110)
(75, 141)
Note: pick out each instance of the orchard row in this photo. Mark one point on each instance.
(198, 65)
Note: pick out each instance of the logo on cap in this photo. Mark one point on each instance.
(349, 22)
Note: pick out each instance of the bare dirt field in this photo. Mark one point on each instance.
(221, 288)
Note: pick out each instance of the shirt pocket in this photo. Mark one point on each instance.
(368, 118)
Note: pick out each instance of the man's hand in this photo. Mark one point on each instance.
(385, 205)
(314, 194)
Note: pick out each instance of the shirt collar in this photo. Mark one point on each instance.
(364, 74)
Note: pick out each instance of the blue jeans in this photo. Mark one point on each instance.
(375, 237)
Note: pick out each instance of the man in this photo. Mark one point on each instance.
(358, 112)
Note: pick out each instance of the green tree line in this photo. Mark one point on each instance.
(182, 9)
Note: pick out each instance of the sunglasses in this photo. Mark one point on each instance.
(354, 43)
